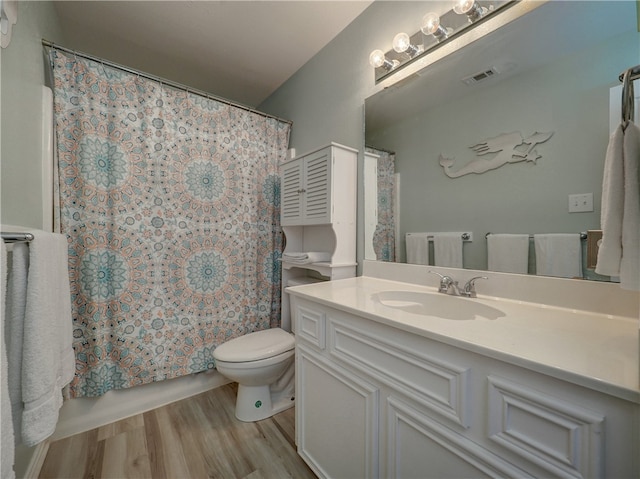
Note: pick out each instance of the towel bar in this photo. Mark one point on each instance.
(583, 235)
(16, 237)
(466, 236)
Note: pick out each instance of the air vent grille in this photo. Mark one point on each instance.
(480, 76)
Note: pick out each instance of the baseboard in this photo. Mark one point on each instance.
(38, 453)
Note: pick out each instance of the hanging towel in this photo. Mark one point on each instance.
(508, 253)
(48, 360)
(16, 301)
(630, 261)
(417, 248)
(7, 437)
(447, 250)
(558, 255)
(306, 258)
(612, 207)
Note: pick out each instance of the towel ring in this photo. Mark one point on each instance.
(627, 98)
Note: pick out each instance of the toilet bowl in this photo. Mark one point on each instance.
(262, 365)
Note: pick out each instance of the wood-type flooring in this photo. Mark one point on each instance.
(198, 437)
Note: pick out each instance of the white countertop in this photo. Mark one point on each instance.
(594, 350)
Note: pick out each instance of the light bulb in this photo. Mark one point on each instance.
(430, 23)
(376, 59)
(401, 42)
(470, 8)
(463, 6)
(431, 26)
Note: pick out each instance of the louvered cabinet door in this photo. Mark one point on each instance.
(291, 193)
(316, 197)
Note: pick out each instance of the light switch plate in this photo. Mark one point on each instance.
(581, 203)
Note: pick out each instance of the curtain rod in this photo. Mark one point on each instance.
(380, 149)
(163, 81)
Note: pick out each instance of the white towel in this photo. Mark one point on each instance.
(16, 302)
(306, 258)
(558, 255)
(447, 250)
(48, 360)
(508, 253)
(630, 261)
(612, 207)
(7, 437)
(417, 248)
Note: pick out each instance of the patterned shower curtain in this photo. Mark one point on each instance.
(384, 237)
(170, 202)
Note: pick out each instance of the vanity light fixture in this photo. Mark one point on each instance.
(402, 44)
(377, 59)
(431, 26)
(436, 30)
(470, 8)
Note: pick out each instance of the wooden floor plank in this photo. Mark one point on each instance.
(75, 456)
(125, 455)
(124, 425)
(198, 437)
(164, 445)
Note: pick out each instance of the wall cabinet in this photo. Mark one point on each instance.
(376, 401)
(318, 186)
(318, 214)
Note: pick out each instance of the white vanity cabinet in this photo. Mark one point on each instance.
(373, 400)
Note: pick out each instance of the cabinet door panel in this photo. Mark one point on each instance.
(291, 197)
(336, 418)
(317, 188)
(419, 447)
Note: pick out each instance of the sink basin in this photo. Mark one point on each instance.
(437, 304)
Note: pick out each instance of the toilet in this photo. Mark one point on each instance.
(262, 363)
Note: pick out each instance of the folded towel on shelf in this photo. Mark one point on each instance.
(612, 207)
(558, 255)
(630, 260)
(417, 246)
(447, 250)
(7, 436)
(508, 253)
(41, 315)
(307, 258)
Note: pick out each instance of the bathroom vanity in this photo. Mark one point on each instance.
(394, 379)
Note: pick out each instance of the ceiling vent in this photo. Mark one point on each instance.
(480, 76)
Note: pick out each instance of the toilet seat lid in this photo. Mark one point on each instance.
(255, 346)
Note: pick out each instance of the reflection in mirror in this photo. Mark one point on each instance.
(549, 76)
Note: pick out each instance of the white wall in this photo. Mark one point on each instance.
(23, 75)
(325, 98)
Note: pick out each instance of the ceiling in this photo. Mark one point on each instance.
(238, 50)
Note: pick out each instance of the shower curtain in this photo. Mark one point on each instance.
(170, 202)
(384, 242)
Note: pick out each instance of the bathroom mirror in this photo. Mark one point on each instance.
(552, 71)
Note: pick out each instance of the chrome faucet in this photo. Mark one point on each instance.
(470, 287)
(449, 286)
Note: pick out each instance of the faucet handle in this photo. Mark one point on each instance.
(445, 281)
(435, 272)
(470, 287)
